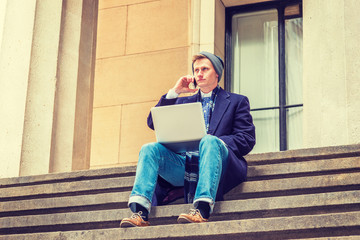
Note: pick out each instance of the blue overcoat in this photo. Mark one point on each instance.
(232, 122)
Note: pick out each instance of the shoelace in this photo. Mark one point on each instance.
(194, 212)
(136, 215)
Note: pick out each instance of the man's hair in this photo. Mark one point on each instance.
(197, 57)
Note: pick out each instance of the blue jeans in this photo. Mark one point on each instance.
(155, 159)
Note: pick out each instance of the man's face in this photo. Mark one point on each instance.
(205, 75)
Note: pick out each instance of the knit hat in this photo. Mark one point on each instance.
(216, 61)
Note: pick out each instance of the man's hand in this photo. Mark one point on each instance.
(182, 85)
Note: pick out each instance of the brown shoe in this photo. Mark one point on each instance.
(193, 217)
(134, 221)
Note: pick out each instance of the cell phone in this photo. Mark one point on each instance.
(195, 84)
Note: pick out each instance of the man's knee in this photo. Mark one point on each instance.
(210, 143)
(150, 148)
(209, 140)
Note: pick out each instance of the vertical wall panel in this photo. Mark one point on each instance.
(15, 52)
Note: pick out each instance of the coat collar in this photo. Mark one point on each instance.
(221, 105)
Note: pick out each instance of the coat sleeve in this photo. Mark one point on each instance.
(241, 139)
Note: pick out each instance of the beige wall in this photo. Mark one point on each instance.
(142, 49)
(141, 54)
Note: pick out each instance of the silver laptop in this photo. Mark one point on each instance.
(179, 127)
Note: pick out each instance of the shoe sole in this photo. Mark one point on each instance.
(184, 220)
(127, 224)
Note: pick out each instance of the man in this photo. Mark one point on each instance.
(221, 166)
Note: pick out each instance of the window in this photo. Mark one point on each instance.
(264, 63)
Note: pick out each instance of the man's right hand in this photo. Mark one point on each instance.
(182, 85)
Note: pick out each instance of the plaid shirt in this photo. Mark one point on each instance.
(192, 158)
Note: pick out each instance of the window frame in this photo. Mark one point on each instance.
(280, 6)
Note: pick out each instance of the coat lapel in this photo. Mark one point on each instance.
(221, 105)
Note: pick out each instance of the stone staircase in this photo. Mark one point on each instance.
(298, 194)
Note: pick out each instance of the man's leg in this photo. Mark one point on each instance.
(213, 155)
(154, 160)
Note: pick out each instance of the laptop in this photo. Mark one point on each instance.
(179, 127)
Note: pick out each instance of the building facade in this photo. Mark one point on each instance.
(77, 78)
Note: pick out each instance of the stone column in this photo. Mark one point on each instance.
(46, 85)
(331, 72)
(352, 55)
(207, 28)
(74, 97)
(39, 113)
(85, 88)
(194, 30)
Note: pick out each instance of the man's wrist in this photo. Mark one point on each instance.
(171, 94)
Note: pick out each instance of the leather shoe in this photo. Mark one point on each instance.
(193, 217)
(134, 221)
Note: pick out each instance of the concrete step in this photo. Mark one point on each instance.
(291, 156)
(332, 238)
(88, 200)
(299, 184)
(108, 183)
(307, 154)
(306, 168)
(308, 226)
(237, 209)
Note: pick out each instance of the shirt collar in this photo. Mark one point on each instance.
(206, 94)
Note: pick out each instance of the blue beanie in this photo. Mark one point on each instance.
(216, 61)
